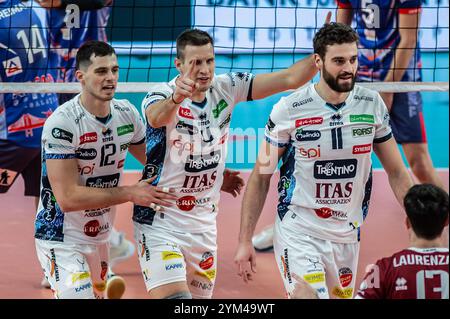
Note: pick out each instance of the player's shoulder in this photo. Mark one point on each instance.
(364, 94)
(68, 113)
(299, 98)
(160, 90)
(232, 78)
(122, 105)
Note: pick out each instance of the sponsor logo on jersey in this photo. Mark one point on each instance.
(310, 152)
(90, 137)
(187, 203)
(363, 98)
(222, 105)
(121, 108)
(198, 183)
(333, 193)
(124, 147)
(107, 181)
(185, 112)
(302, 102)
(203, 119)
(150, 170)
(362, 149)
(174, 266)
(362, 131)
(183, 146)
(335, 169)
(96, 212)
(125, 129)
(61, 134)
(92, 228)
(49, 203)
(185, 128)
(207, 261)
(198, 163)
(270, 125)
(325, 213)
(336, 119)
(309, 121)
(86, 170)
(345, 276)
(225, 122)
(306, 135)
(400, 284)
(364, 118)
(86, 154)
(107, 135)
(168, 255)
(12, 66)
(144, 249)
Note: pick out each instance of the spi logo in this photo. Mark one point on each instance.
(309, 153)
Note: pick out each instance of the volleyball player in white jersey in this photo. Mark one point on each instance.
(187, 132)
(325, 135)
(85, 142)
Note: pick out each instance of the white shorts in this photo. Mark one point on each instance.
(74, 271)
(168, 256)
(327, 266)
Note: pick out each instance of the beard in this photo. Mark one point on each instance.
(333, 82)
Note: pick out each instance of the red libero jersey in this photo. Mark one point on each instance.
(413, 273)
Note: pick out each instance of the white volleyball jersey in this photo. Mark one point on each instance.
(100, 150)
(189, 153)
(326, 175)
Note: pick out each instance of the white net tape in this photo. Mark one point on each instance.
(144, 87)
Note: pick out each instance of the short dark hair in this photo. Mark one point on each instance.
(333, 33)
(426, 206)
(98, 48)
(192, 37)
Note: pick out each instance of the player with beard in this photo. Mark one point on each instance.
(325, 135)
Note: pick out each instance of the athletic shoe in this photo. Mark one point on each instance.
(264, 240)
(124, 249)
(115, 286)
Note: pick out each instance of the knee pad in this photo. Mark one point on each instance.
(180, 295)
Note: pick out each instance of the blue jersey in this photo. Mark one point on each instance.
(377, 26)
(66, 41)
(24, 57)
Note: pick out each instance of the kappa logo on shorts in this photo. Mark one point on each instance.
(174, 266)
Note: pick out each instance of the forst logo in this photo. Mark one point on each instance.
(362, 131)
(336, 169)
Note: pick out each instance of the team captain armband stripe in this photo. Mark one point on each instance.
(270, 141)
(409, 10)
(343, 5)
(383, 139)
(59, 156)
